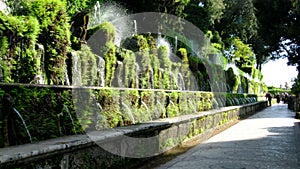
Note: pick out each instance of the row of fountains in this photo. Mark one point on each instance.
(138, 60)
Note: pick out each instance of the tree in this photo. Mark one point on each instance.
(174, 7)
(239, 20)
(241, 54)
(272, 16)
(204, 13)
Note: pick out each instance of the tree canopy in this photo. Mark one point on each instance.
(258, 30)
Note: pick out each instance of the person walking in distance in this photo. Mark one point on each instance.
(269, 98)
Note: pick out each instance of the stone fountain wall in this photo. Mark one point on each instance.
(80, 151)
(55, 111)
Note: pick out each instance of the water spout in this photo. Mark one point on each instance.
(128, 112)
(145, 105)
(67, 81)
(70, 116)
(97, 126)
(174, 106)
(24, 124)
(163, 109)
(193, 106)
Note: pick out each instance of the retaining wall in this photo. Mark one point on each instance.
(123, 146)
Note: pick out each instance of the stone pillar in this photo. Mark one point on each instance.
(6, 111)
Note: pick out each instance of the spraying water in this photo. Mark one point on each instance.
(145, 105)
(193, 106)
(70, 116)
(111, 12)
(24, 124)
(163, 42)
(129, 112)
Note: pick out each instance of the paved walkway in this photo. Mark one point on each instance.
(268, 140)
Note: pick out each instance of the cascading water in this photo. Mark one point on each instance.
(172, 103)
(23, 122)
(67, 80)
(100, 71)
(135, 26)
(147, 109)
(65, 108)
(151, 79)
(39, 78)
(98, 118)
(129, 112)
(76, 70)
(193, 106)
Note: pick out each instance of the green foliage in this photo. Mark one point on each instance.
(18, 59)
(239, 19)
(75, 6)
(110, 65)
(102, 37)
(166, 65)
(241, 54)
(130, 106)
(173, 105)
(109, 101)
(130, 74)
(47, 121)
(54, 36)
(275, 90)
(175, 7)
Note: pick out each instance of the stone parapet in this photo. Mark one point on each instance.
(112, 148)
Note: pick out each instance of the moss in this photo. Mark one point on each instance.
(110, 66)
(109, 100)
(147, 106)
(19, 59)
(54, 36)
(130, 104)
(166, 65)
(136, 43)
(130, 72)
(182, 53)
(88, 66)
(173, 104)
(185, 68)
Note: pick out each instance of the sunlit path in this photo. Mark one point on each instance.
(267, 140)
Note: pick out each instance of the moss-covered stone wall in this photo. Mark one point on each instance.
(167, 134)
(54, 111)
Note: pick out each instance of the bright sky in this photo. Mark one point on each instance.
(277, 72)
